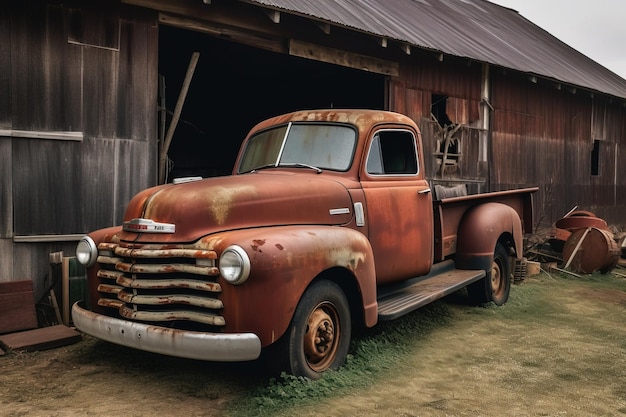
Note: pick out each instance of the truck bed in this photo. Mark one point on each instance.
(448, 213)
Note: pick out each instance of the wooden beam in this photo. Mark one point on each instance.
(325, 27)
(177, 111)
(266, 42)
(274, 15)
(343, 58)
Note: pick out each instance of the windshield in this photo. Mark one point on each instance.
(323, 146)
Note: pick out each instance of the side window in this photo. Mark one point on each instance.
(392, 152)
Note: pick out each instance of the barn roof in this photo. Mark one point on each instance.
(474, 29)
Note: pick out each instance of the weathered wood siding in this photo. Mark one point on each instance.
(78, 131)
(412, 92)
(543, 134)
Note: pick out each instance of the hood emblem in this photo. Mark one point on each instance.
(148, 226)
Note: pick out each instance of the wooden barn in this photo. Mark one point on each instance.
(90, 93)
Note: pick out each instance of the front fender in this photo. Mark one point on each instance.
(479, 231)
(284, 260)
(103, 235)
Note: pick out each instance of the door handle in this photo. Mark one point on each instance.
(424, 191)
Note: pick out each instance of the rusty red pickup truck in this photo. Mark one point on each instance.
(327, 223)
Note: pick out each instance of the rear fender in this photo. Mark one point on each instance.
(284, 261)
(481, 228)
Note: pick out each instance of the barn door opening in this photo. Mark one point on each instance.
(236, 86)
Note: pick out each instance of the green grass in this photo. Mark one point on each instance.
(543, 301)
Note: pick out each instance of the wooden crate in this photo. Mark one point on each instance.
(17, 306)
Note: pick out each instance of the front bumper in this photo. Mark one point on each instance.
(230, 347)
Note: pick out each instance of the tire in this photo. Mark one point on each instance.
(496, 286)
(318, 337)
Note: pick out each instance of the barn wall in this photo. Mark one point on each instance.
(543, 135)
(422, 76)
(77, 126)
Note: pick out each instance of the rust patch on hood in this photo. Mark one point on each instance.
(222, 200)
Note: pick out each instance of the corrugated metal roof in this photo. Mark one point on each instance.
(473, 29)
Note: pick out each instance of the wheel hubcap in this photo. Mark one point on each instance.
(320, 338)
(496, 279)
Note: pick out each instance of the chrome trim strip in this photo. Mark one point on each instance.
(359, 214)
(344, 210)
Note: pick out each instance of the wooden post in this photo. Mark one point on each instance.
(177, 111)
(571, 257)
(65, 288)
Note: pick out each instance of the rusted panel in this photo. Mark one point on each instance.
(591, 249)
(289, 259)
(397, 213)
(105, 302)
(210, 204)
(158, 284)
(198, 317)
(157, 268)
(106, 274)
(165, 253)
(109, 289)
(452, 211)
(155, 300)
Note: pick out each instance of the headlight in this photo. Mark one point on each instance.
(234, 265)
(87, 251)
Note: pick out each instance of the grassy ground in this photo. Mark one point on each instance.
(557, 348)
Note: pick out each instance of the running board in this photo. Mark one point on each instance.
(398, 300)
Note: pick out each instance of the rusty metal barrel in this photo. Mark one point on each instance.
(591, 249)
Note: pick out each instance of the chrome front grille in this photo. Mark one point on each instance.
(173, 286)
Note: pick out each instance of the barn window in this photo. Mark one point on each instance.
(447, 147)
(595, 158)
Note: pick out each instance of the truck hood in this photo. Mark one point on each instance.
(236, 202)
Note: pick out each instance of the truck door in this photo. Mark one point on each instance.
(398, 205)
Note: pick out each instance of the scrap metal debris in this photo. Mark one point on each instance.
(581, 243)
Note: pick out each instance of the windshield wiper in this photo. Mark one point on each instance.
(300, 165)
(262, 167)
(288, 165)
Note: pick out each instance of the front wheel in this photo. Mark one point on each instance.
(496, 286)
(318, 337)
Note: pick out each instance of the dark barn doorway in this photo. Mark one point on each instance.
(236, 86)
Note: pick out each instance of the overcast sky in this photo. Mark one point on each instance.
(596, 28)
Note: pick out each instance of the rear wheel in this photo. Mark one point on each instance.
(318, 337)
(496, 286)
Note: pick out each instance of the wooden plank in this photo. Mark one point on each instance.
(343, 58)
(65, 288)
(40, 339)
(17, 306)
